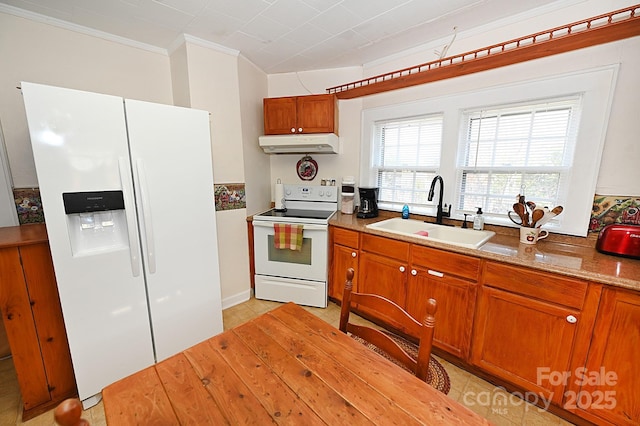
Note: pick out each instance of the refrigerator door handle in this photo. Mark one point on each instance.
(129, 209)
(141, 184)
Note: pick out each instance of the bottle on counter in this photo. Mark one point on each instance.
(405, 212)
(478, 221)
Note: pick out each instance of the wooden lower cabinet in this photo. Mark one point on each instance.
(32, 317)
(556, 338)
(384, 268)
(609, 388)
(344, 255)
(451, 279)
(528, 327)
(455, 300)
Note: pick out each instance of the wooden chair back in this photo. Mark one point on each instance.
(399, 318)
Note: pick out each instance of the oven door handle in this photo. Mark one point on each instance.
(306, 226)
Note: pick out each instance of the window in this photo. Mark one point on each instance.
(406, 157)
(522, 149)
(544, 137)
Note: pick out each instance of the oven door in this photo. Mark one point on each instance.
(310, 263)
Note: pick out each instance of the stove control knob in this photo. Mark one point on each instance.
(329, 193)
(321, 193)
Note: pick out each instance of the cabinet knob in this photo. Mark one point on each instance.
(354, 254)
(293, 130)
(299, 129)
(402, 268)
(414, 272)
(571, 319)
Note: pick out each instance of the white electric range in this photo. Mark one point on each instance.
(298, 276)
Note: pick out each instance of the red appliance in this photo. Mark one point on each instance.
(620, 240)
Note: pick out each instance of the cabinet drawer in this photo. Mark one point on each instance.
(548, 287)
(345, 237)
(385, 246)
(446, 262)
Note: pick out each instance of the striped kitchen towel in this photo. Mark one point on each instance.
(287, 236)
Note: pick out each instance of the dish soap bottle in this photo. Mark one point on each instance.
(478, 221)
(405, 212)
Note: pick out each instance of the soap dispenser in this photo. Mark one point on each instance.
(405, 212)
(478, 221)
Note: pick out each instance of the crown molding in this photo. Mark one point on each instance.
(33, 16)
(187, 38)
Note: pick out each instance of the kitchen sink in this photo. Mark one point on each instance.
(430, 231)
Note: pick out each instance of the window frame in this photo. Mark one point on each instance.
(596, 87)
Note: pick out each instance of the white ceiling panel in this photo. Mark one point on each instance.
(284, 35)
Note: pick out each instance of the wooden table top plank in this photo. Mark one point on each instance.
(138, 399)
(191, 401)
(277, 398)
(230, 393)
(355, 390)
(403, 388)
(285, 361)
(326, 403)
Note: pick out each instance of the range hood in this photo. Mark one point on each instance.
(327, 143)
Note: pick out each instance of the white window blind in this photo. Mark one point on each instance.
(514, 149)
(406, 155)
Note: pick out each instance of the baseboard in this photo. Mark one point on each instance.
(236, 299)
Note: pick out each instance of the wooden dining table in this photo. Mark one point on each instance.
(286, 366)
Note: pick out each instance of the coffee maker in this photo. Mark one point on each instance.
(368, 202)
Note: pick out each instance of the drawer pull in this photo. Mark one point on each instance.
(402, 268)
(571, 319)
(435, 273)
(354, 254)
(414, 272)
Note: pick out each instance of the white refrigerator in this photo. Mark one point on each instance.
(128, 198)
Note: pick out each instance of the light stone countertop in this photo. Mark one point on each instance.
(565, 255)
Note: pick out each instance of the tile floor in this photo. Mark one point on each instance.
(480, 396)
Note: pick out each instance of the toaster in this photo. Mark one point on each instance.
(620, 240)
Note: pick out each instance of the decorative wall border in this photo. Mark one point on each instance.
(609, 209)
(230, 196)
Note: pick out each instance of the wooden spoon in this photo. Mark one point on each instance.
(520, 211)
(536, 216)
(557, 210)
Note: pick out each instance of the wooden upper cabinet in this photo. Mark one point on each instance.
(609, 381)
(300, 114)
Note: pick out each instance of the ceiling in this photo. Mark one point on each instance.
(285, 35)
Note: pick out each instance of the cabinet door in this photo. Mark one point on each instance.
(522, 340)
(316, 114)
(343, 259)
(455, 298)
(610, 379)
(279, 116)
(21, 330)
(47, 314)
(382, 276)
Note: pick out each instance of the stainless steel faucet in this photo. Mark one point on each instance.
(440, 212)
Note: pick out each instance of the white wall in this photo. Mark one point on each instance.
(214, 86)
(40, 53)
(619, 172)
(253, 88)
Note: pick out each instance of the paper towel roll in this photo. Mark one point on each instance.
(279, 197)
